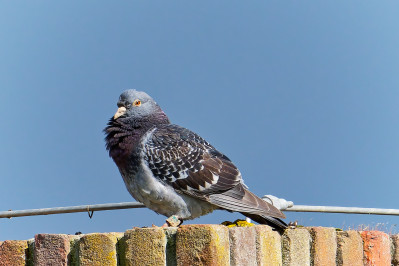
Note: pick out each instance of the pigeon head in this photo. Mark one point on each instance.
(137, 113)
(138, 105)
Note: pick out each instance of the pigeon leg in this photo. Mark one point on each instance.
(293, 225)
(173, 221)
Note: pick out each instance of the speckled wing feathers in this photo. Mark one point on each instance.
(192, 166)
(188, 163)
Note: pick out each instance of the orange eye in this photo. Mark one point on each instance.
(137, 103)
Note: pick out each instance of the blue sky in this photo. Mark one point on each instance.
(301, 95)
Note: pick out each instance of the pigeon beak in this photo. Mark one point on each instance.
(121, 111)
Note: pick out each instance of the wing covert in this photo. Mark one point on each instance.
(188, 163)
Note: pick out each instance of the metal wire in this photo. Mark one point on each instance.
(83, 208)
(131, 205)
(334, 209)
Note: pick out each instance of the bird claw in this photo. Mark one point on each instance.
(293, 225)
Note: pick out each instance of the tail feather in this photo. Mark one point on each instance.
(277, 223)
(239, 199)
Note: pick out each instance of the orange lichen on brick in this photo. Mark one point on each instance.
(13, 252)
(376, 247)
(202, 245)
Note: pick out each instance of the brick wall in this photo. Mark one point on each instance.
(206, 245)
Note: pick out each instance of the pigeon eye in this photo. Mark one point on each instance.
(137, 103)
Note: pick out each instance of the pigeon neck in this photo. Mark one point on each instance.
(143, 124)
(124, 134)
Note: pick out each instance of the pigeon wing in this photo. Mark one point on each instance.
(192, 166)
(188, 163)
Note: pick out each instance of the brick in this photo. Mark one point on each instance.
(30, 260)
(376, 247)
(395, 249)
(349, 248)
(323, 250)
(73, 257)
(13, 252)
(143, 246)
(296, 247)
(202, 245)
(268, 246)
(98, 249)
(171, 246)
(242, 246)
(51, 249)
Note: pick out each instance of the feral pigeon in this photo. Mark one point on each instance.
(172, 170)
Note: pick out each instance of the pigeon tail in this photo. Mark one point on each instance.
(241, 200)
(276, 223)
